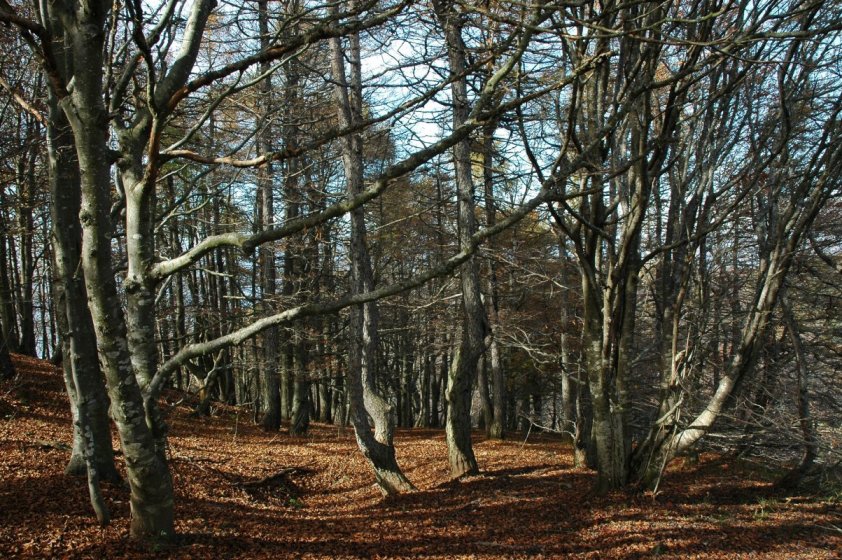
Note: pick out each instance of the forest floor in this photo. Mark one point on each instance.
(529, 501)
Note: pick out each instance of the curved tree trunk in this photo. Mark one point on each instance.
(785, 234)
(377, 446)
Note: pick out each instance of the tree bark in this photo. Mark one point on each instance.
(26, 190)
(805, 421)
(301, 401)
(83, 377)
(297, 257)
(496, 422)
(270, 375)
(8, 320)
(148, 473)
(377, 447)
(463, 371)
(7, 367)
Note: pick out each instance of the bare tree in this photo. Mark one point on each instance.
(378, 447)
(796, 179)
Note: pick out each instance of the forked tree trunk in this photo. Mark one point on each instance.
(148, 473)
(608, 240)
(600, 338)
(139, 287)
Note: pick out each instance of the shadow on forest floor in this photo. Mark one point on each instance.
(245, 493)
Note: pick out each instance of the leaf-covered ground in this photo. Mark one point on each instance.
(529, 502)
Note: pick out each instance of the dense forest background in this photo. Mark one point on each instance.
(618, 221)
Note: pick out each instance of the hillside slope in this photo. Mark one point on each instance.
(244, 493)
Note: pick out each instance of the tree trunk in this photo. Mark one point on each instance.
(496, 430)
(26, 225)
(463, 371)
(583, 453)
(377, 447)
(484, 396)
(92, 449)
(808, 429)
(81, 365)
(143, 448)
(301, 403)
(783, 239)
(8, 321)
(439, 380)
(271, 397)
(458, 422)
(7, 368)
(423, 420)
(140, 254)
(83, 377)
(496, 422)
(606, 424)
